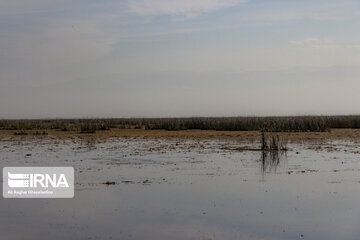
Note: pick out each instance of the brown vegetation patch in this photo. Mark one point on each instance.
(334, 134)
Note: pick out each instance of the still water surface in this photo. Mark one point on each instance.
(169, 189)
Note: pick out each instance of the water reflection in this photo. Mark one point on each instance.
(270, 161)
(213, 196)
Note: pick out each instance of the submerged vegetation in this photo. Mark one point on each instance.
(272, 142)
(268, 124)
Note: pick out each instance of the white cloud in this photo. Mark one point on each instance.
(321, 10)
(311, 42)
(323, 43)
(183, 8)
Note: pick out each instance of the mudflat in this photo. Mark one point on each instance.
(336, 134)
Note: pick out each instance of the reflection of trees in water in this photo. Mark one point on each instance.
(270, 160)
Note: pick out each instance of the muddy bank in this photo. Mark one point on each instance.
(334, 134)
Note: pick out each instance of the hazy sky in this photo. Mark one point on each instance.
(167, 58)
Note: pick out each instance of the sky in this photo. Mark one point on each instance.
(178, 58)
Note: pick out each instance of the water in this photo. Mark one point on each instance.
(193, 189)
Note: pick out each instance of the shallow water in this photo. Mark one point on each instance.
(175, 189)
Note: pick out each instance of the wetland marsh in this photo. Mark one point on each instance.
(139, 184)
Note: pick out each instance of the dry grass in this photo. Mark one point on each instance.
(269, 124)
